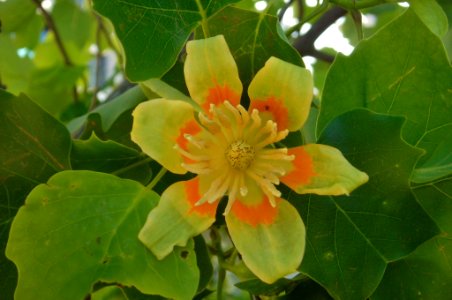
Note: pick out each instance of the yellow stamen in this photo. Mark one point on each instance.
(235, 148)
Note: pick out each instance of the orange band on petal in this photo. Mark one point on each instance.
(218, 94)
(193, 196)
(276, 108)
(262, 213)
(192, 128)
(303, 168)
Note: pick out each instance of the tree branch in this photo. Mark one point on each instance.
(305, 43)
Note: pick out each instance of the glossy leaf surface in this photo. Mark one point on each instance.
(81, 227)
(410, 76)
(153, 32)
(350, 240)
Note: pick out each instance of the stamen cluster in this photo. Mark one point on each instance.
(234, 148)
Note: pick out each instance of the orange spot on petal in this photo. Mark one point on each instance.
(303, 168)
(276, 108)
(218, 94)
(192, 191)
(253, 215)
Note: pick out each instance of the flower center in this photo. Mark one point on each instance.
(240, 155)
(233, 150)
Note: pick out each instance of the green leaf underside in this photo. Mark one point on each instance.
(33, 147)
(81, 227)
(153, 32)
(409, 76)
(110, 157)
(438, 143)
(252, 38)
(350, 240)
(110, 112)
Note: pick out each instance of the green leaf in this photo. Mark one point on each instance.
(154, 32)
(82, 227)
(425, 274)
(350, 240)
(14, 13)
(204, 262)
(110, 157)
(74, 24)
(109, 112)
(15, 71)
(109, 293)
(52, 87)
(401, 70)
(33, 147)
(121, 293)
(435, 198)
(252, 38)
(257, 287)
(438, 164)
(431, 13)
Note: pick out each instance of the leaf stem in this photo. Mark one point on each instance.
(131, 166)
(204, 25)
(216, 240)
(157, 178)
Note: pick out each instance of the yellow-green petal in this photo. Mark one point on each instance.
(322, 170)
(211, 73)
(157, 125)
(283, 92)
(273, 250)
(176, 218)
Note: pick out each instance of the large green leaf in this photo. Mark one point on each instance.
(401, 70)
(33, 147)
(154, 32)
(252, 38)
(82, 227)
(431, 13)
(350, 240)
(436, 199)
(14, 13)
(427, 272)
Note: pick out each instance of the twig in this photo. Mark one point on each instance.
(51, 25)
(305, 43)
(284, 9)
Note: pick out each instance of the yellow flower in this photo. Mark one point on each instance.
(235, 153)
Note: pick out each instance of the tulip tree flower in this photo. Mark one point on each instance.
(235, 153)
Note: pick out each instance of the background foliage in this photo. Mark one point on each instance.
(72, 71)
